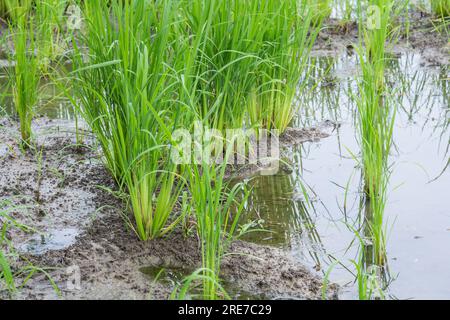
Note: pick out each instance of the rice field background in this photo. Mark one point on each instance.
(120, 179)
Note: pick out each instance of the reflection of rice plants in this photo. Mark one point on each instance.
(284, 210)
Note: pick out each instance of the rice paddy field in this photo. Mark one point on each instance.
(224, 149)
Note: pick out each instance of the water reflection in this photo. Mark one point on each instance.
(281, 205)
(374, 268)
(51, 100)
(417, 211)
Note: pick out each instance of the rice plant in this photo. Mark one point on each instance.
(217, 216)
(49, 14)
(16, 8)
(376, 120)
(3, 10)
(292, 30)
(25, 75)
(244, 55)
(223, 39)
(126, 94)
(320, 9)
(345, 9)
(441, 8)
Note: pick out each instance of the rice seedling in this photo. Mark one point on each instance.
(6, 275)
(244, 53)
(126, 94)
(25, 75)
(321, 9)
(376, 120)
(217, 216)
(345, 13)
(441, 16)
(3, 10)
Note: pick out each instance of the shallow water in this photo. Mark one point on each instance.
(51, 103)
(53, 240)
(418, 209)
(318, 233)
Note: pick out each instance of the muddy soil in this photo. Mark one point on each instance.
(63, 192)
(433, 46)
(64, 195)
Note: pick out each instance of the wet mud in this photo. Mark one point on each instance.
(66, 194)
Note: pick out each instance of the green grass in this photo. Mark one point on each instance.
(376, 121)
(223, 39)
(13, 9)
(3, 10)
(321, 9)
(244, 60)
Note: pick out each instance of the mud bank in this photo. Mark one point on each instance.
(336, 38)
(62, 191)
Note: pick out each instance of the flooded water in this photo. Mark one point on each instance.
(51, 103)
(418, 209)
(318, 232)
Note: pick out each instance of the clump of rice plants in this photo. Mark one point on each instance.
(25, 75)
(320, 9)
(15, 8)
(245, 54)
(376, 120)
(441, 8)
(223, 40)
(3, 10)
(49, 15)
(126, 94)
(217, 214)
(286, 45)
